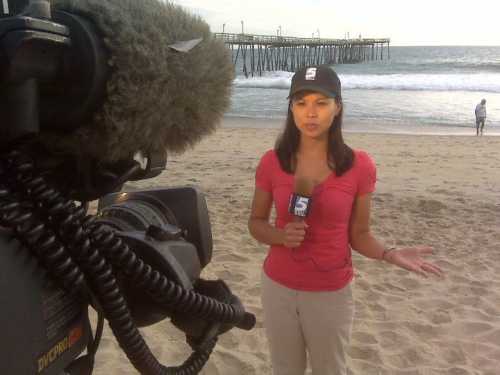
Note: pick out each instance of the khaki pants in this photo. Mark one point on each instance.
(297, 322)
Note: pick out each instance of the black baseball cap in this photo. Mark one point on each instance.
(319, 78)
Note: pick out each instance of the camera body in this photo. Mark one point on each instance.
(43, 327)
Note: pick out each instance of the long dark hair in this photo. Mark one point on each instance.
(340, 155)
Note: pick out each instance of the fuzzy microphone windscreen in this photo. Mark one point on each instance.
(156, 97)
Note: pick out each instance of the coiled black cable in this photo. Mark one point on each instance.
(75, 230)
(165, 291)
(34, 235)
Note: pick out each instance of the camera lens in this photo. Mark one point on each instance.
(137, 214)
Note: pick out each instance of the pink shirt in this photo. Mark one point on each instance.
(323, 261)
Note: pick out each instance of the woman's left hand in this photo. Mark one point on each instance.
(411, 259)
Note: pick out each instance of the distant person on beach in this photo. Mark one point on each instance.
(307, 299)
(480, 113)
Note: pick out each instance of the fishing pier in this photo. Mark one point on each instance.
(260, 53)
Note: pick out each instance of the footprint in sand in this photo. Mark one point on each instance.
(231, 258)
(434, 303)
(228, 340)
(365, 352)
(423, 331)
(364, 338)
(231, 364)
(410, 284)
(440, 317)
(473, 329)
(453, 354)
(254, 292)
(392, 340)
(230, 275)
(459, 371)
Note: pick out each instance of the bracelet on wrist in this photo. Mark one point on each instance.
(386, 251)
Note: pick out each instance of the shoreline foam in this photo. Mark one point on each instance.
(366, 126)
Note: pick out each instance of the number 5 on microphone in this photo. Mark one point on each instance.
(299, 205)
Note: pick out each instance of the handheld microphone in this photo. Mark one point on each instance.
(300, 200)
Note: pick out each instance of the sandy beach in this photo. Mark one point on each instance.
(442, 191)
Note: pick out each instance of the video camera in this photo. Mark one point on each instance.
(136, 262)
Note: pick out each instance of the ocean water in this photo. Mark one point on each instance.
(417, 90)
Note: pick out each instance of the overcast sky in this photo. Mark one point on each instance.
(422, 22)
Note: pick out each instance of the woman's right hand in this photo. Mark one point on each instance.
(293, 233)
